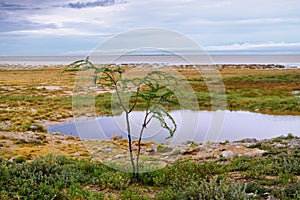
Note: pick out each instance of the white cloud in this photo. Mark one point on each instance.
(254, 46)
(209, 22)
(253, 21)
(97, 3)
(51, 31)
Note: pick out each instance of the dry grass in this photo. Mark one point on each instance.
(19, 144)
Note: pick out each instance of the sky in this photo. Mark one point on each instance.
(75, 27)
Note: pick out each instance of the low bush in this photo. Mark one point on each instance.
(58, 177)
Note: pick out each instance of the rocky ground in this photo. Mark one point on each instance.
(115, 150)
(31, 144)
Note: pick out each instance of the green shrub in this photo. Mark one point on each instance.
(278, 139)
(290, 136)
(4, 175)
(76, 192)
(115, 180)
(292, 190)
(285, 178)
(20, 159)
(205, 189)
(183, 172)
(163, 149)
(256, 189)
(241, 163)
(132, 195)
(47, 177)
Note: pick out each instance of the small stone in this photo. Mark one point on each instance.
(119, 156)
(251, 194)
(227, 154)
(295, 143)
(278, 145)
(295, 92)
(59, 116)
(32, 127)
(32, 140)
(255, 152)
(107, 150)
(238, 146)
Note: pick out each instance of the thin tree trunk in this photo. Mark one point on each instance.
(139, 143)
(127, 123)
(129, 142)
(139, 150)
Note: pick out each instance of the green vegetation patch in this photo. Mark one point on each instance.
(57, 177)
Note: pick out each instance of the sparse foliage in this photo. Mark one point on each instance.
(154, 89)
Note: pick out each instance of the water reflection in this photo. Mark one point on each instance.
(192, 126)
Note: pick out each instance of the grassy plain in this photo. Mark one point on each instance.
(32, 96)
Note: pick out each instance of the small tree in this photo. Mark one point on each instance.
(154, 90)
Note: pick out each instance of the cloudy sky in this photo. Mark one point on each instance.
(74, 27)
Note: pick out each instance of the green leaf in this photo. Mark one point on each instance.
(162, 115)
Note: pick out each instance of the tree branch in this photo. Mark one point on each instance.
(136, 99)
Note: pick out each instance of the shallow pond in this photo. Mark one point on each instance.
(195, 126)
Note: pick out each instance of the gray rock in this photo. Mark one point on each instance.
(251, 194)
(227, 154)
(256, 152)
(119, 156)
(32, 140)
(247, 140)
(295, 92)
(278, 145)
(107, 150)
(32, 127)
(195, 150)
(294, 143)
